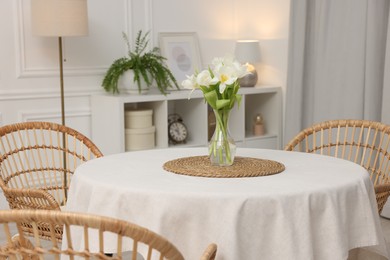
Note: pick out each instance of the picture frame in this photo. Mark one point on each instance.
(181, 49)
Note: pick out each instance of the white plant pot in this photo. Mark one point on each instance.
(126, 84)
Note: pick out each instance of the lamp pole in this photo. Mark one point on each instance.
(61, 81)
(63, 117)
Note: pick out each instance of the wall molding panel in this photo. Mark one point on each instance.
(24, 94)
(128, 7)
(23, 71)
(68, 72)
(19, 37)
(51, 115)
(149, 20)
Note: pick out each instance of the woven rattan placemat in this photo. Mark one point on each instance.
(242, 167)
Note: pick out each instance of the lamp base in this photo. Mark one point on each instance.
(249, 80)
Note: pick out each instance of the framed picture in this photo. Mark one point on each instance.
(182, 53)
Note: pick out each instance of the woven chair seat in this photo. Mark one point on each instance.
(360, 141)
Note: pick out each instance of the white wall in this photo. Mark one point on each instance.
(29, 78)
(219, 23)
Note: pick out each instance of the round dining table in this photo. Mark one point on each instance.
(319, 207)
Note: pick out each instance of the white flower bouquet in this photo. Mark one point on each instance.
(220, 85)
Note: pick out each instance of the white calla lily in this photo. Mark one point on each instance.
(190, 82)
(204, 78)
(241, 70)
(226, 74)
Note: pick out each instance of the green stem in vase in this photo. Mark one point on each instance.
(222, 117)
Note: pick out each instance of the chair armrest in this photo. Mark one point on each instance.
(30, 199)
(210, 252)
(382, 192)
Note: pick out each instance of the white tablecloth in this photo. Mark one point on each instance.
(318, 208)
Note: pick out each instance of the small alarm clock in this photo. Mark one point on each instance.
(177, 130)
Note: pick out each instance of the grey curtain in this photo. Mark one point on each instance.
(339, 62)
(386, 84)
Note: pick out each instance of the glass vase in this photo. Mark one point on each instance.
(222, 147)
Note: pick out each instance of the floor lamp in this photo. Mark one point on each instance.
(60, 18)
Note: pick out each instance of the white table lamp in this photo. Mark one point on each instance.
(59, 18)
(248, 52)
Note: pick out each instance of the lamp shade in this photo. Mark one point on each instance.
(247, 51)
(59, 17)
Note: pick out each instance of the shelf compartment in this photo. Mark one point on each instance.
(159, 113)
(266, 104)
(193, 113)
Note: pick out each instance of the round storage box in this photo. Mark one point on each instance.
(140, 138)
(138, 119)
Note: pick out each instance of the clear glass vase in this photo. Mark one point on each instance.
(222, 147)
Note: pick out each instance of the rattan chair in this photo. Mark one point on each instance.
(366, 143)
(37, 161)
(92, 228)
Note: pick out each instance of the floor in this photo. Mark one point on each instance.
(365, 254)
(386, 231)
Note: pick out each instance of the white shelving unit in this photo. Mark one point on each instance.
(108, 118)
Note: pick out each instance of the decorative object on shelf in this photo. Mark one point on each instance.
(140, 118)
(220, 84)
(248, 51)
(182, 52)
(140, 138)
(258, 125)
(148, 67)
(177, 130)
(139, 130)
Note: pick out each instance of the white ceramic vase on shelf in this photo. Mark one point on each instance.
(126, 84)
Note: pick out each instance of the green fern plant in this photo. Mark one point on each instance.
(148, 66)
